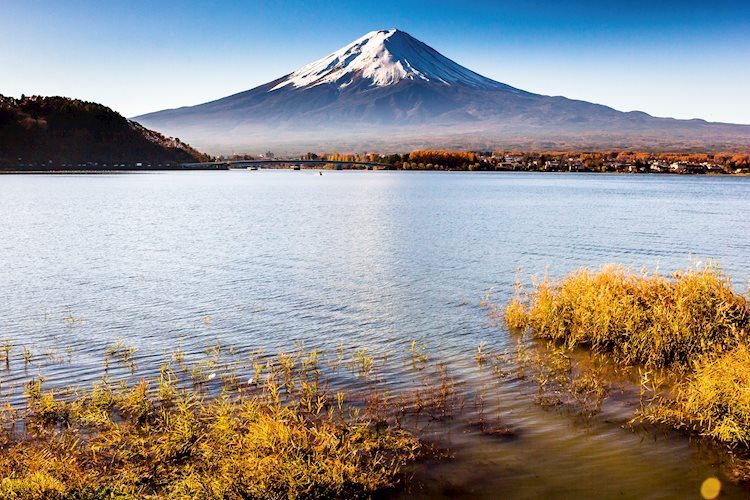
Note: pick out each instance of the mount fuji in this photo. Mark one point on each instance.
(389, 90)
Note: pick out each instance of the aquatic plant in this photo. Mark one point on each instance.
(577, 384)
(28, 357)
(120, 351)
(637, 318)
(284, 435)
(687, 332)
(5, 349)
(481, 354)
(417, 357)
(714, 401)
(361, 362)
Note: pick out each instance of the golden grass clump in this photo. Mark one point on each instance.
(691, 327)
(638, 318)
(285, 436)
(714, 401)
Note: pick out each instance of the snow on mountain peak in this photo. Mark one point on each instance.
(385, 57)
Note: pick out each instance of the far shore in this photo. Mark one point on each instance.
(225, 168)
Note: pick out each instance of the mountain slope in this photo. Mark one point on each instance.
(51, 132)
(389, 89)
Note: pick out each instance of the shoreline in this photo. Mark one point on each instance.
(215, 169)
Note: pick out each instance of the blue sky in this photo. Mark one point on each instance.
(683, 59)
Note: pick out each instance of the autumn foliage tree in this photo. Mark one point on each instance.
(451, 159)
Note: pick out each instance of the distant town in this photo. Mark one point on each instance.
(521, 161)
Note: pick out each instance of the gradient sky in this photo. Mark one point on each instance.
(683, 59)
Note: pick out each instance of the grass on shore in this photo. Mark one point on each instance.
(281, 434)
(691, 324)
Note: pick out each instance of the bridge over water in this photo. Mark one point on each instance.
(260, 163)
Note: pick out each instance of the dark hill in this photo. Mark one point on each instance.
(62, 133)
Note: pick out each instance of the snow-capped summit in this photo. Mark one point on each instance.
(384, 58)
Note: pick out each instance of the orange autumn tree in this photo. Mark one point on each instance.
(444, 158)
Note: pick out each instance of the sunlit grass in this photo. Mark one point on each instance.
(691, 325)
(229, 423)
(714, 401)
(278, 432)
(637, 317)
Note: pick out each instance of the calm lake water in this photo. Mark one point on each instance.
(267, 259)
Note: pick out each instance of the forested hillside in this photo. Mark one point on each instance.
(57, 132)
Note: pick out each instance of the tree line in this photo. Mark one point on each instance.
(615, 160)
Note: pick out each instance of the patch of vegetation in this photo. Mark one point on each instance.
(282, 433)
(637, 318)
(692, 326)
(714, 401)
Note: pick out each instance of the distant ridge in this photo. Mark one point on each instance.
(58, 132)
(389, 90)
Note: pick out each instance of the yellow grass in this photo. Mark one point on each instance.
(714, 401)
(280, 436)
(637, 318)
(691, 323)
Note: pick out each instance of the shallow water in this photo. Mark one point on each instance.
(271, 258)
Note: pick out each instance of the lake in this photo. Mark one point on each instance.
(271, 259)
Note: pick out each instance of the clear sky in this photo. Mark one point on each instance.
(683, 59)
